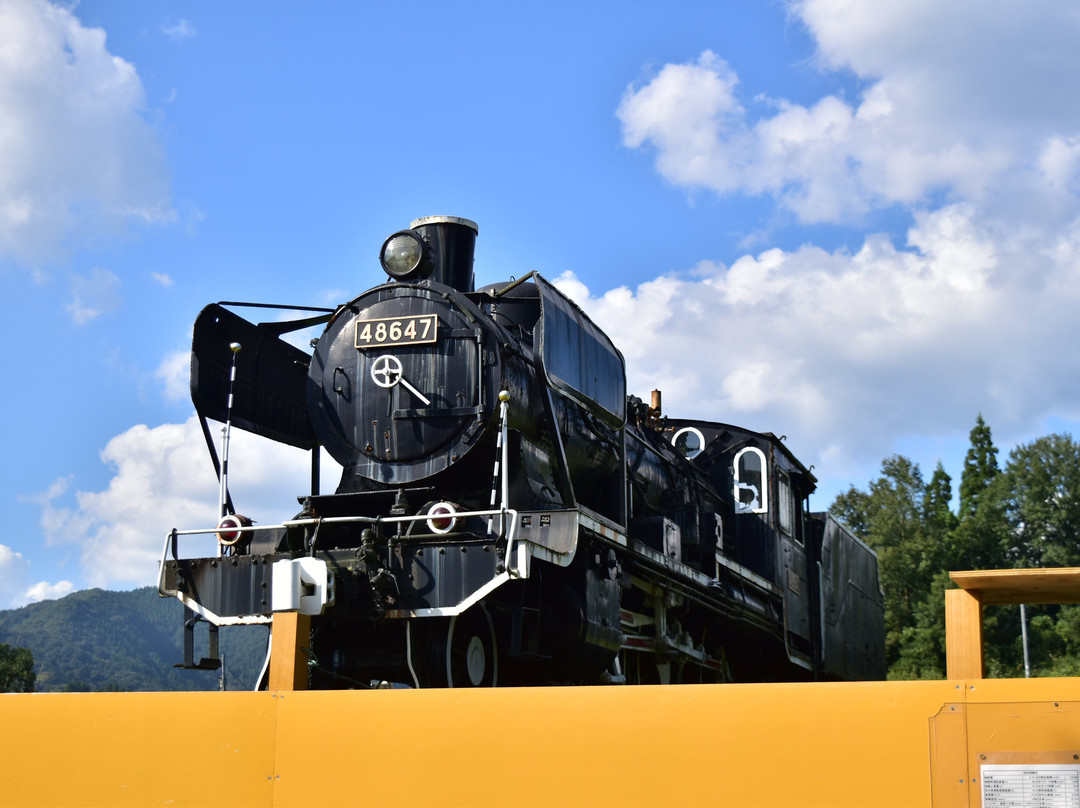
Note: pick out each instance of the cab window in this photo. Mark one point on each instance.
(786, 505)
(751, 490)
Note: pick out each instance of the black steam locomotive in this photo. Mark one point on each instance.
(507, 514)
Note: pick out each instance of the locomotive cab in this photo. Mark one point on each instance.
(763, 535)
(769, 533)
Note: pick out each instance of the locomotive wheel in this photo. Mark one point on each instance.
(460, 652)
(471, 656)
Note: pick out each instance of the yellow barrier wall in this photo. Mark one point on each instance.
(855, 744)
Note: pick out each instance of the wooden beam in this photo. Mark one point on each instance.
(997, 587)
(288, 651)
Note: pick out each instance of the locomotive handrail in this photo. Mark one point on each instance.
(282, 306)
(515, 284)
(507, 517)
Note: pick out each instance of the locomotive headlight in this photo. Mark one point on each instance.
(402, 254)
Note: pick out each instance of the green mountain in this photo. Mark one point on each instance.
(99, 640)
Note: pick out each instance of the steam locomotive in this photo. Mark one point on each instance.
(506, 513)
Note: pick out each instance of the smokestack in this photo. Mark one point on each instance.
(451, 242)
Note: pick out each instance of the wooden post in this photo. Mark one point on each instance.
(963, 635)
(288, 652)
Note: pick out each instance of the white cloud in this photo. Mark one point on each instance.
(46, 591)
(962, 67)
(164, 479)
(13, 570)
(76, 154)
(958, 97)
(175, 374)
(56, 490)
(690, 114)
(93, 296)
(163, 278)
(179, 30)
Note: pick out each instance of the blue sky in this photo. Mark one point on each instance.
(853, 223)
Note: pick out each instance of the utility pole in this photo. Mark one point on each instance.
(1024, 637)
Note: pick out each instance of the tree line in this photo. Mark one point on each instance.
(1026, 514)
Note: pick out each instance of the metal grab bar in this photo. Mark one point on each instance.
(507, 516)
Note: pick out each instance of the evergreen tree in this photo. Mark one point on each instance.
(979, 541)
(852, 508)
(1040, 500)
(16, 670)
(936, 513)
(921, 647)
(980, 467)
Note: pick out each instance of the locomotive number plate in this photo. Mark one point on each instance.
(383, 331)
